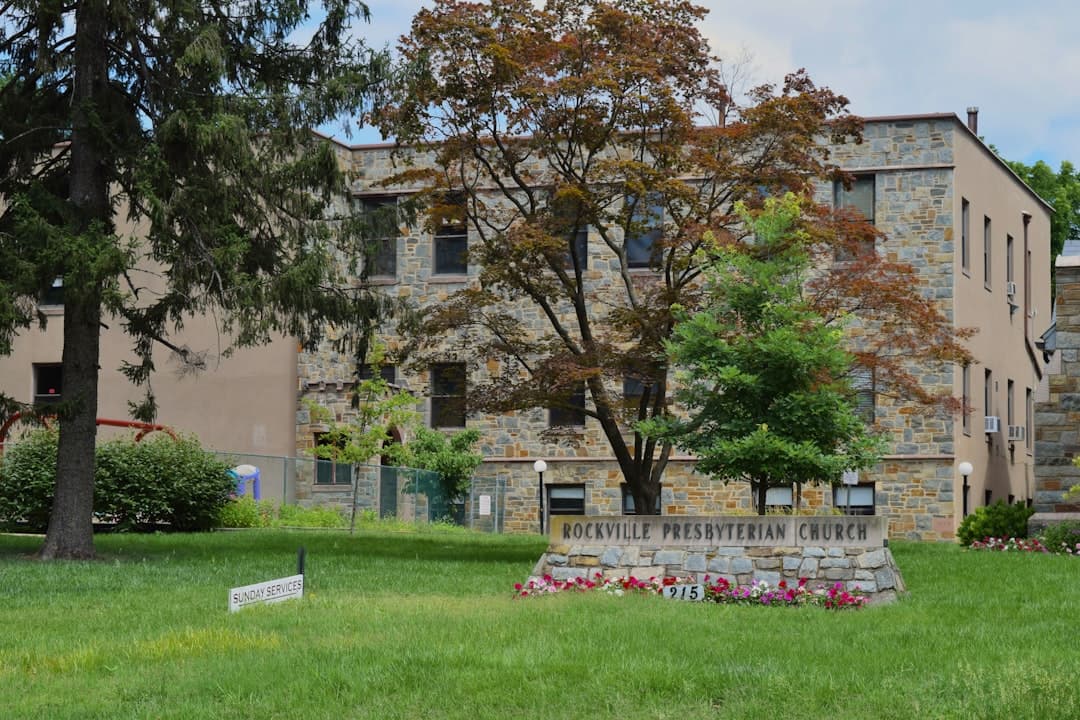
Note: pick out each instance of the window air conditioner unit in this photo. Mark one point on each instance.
(1010, 288)
(1017, 433)
(991, 424)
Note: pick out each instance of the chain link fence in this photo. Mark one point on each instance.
(408, 494)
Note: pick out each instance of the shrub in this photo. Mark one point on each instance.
(157, 481)
(245, 512)
(1062, 537)
(995, 521)
(28, 479)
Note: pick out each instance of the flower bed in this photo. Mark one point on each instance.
(1030, 545)
(718, 590)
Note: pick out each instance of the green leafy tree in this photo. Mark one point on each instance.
(379, 409)
(762, 375)
(182, 123)
(452, 455)
(1062, 190)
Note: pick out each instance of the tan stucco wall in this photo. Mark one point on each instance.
(1006, 342)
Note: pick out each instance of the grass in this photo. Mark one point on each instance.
(422, 624)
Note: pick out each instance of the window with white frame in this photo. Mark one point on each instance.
(566, 499)
(854, 499)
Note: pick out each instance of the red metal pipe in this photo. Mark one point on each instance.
(144, 428)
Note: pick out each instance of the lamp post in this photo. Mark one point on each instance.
(965, 469)
(540, 466)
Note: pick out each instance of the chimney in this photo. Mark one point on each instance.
(973, 120)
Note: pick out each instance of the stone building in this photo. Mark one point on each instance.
(946, 204)
(979, 239)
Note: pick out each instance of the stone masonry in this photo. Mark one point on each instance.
(913, 162)
(869, 568)
(1057, 420)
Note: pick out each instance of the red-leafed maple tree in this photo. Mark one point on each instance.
(611, 118)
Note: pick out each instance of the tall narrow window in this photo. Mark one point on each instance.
(448, 395)
(645, 230)
(568, 223)
(1029, 418)
(382, 230)
(965, 235)
(1009, 273)
(859, 197)
(1010, 418)
(1027, 275)
(986, 252)
(988, 392)
(48, 383)
(573, 413)
(965, 384)
(862, 382)
(452, 238)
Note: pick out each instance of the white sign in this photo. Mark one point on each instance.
(271, 591)
(850, 477)
(684, 592)
(485, 504)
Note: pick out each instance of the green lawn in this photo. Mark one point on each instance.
(423, 625)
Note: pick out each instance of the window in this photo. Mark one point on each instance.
(48, 383)
(628, 501)
(965, 235)
(859, 197)
(55, 294)
(452, 239)
(634, 388)
(645, 230)
(966, 398)
(862, 382)
(1009, 272)
(1029, 407)
(386, 372)
(578, 240)
(566, 499)
(327, 470)
(448, 395)
(573, 413)
(568, 223)
(988, 392)
(854, 499)
(986, 252)
(779, 498)
(1009, 412)
(382, 216)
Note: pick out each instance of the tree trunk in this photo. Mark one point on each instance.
(71, 530)
(762, 496)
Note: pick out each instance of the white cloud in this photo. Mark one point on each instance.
(1018, 62)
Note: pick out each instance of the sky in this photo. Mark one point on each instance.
(1018, 61)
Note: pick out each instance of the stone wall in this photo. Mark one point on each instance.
(869, 567)
(912, 162)
(1057, 420)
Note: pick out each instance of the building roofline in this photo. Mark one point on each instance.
(978, 141)
(913, 117)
